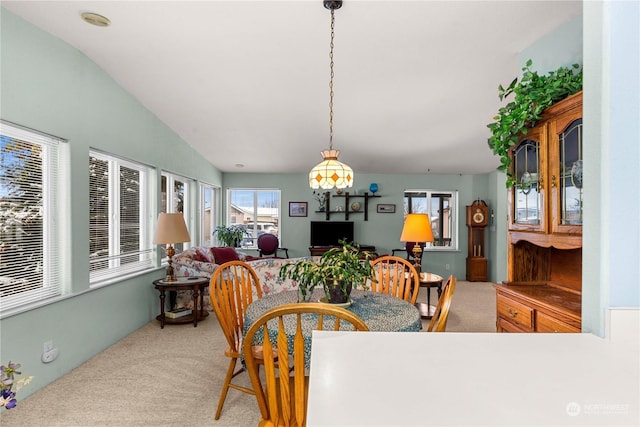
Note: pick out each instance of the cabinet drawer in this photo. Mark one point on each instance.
(516, 313)
(504, 326)
(545, 323)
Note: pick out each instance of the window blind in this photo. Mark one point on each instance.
(119, 241)
(30, 251)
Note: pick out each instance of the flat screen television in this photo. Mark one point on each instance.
(329, 233)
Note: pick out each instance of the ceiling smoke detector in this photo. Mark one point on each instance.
(95, 19)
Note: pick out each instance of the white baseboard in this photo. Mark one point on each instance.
(623, 324)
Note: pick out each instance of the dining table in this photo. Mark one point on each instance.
(380, 312)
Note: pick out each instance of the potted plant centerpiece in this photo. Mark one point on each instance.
(230, 235)
(338, 270)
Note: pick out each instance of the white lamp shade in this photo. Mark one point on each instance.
(330, 173)
(417, 228)
(171, 228)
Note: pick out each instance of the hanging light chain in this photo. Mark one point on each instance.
(331, 81)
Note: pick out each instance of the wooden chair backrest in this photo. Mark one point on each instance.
(396, 276)
(283, 401)
(439, 320)
(231, 290)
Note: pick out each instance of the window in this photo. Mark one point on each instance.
(176, 199)
(441, 206)
(257, 210)
(209, 197)
(31, 262)
(119, 217)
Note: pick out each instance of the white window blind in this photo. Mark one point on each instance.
(30, 253)
(119, 238)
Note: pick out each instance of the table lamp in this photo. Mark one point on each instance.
(417, 229)
(171, 229)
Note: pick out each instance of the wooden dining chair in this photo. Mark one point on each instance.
(284, 400)
(232, 288)
(396, 276)
(439, 320)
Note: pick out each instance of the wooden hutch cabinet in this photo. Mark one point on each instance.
(544, 284)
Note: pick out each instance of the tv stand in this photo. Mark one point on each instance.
(319, 250)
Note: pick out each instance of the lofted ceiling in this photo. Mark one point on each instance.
(247, 82)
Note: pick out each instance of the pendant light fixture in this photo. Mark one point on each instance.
(330, 173)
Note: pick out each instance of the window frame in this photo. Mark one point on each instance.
(429, 196)
(256, 220)
(54, 216)
(146, 252)
(169, 207)
(208, 223)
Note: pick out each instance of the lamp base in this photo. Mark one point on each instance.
(417, 257)
(171, 274)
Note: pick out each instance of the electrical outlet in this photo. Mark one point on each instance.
(50, 356)
(47, 346)
(447, 267)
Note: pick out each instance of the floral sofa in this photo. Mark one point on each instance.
(199, 261)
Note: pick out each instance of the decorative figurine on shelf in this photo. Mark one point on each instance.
(373, 188)
(321, 198)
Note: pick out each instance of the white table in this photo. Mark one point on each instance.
(471, 379)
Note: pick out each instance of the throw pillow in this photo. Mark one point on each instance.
(224, 254)
(200, 256)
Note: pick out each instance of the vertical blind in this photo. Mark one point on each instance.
(30, 251)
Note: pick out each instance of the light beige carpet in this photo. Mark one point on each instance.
(173, 376)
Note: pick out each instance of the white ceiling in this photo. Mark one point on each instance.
(246, 82)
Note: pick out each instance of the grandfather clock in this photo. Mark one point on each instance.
(477, 220)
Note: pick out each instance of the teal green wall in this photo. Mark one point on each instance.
(497, 229)
(381, 230)
(560, 48)
(49, 86)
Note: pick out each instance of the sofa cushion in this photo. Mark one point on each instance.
(201, 256)
(224, 254)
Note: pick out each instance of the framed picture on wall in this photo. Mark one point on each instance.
(298, 208)
(386, 208)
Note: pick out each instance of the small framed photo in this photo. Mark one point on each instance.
(298, 208)
(386, 208)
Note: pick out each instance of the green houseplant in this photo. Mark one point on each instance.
(337, 270)
(533, 94)
(230, 235)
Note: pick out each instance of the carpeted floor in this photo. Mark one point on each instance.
(173, 376)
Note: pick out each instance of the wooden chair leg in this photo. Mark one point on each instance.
(225, 386)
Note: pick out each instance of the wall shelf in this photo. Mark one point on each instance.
(347, 205)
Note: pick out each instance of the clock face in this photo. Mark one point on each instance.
(478, 217)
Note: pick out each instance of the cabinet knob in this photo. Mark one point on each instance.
(513, 313)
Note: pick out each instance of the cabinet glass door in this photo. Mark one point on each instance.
(528, 212)
(570, 147)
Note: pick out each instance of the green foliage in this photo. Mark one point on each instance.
(230, 235)
(533, 94)
(346, 264)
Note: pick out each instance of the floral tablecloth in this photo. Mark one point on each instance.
(380, 312)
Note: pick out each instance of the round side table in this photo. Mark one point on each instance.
(429, 280)
(193, 284)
